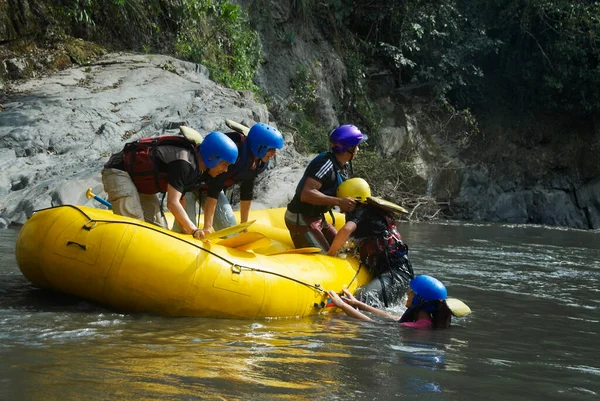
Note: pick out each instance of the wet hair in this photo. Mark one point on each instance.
(441, 315)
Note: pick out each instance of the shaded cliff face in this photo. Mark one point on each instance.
(57, 132)
(540, 169)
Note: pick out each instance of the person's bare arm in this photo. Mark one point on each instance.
(349, 310)
(174, 204)
(210, 205)
(368, 308)
(311, 194)
(341, 237)
(244, 210)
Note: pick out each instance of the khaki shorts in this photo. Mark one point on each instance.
(126, 201)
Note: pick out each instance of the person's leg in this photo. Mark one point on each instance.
(224, 216)
(297, 228)
(378, 292)
(122, 193)
(152, 210)
(306, 232)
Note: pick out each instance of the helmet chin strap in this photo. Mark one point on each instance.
(352, 154)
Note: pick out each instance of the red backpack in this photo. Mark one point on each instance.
(140, 162)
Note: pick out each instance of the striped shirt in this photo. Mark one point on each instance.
(327, 170)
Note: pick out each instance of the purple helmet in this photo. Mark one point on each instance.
(345, 137)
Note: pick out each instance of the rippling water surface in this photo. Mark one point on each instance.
(532, 336)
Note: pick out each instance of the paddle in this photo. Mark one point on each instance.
(237, 127)
(386, 205)
(458, 307)
(299, 251)
(89, 195)
(246, 241)
(228, 231)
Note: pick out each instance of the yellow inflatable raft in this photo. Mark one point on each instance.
(134, 266)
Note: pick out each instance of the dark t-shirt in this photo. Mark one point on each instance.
(327, 170)
(182, 176)
(370, 221)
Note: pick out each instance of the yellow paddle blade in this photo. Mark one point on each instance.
(191, 134)
(237, 127)
(259, 243)
(386, 205)
(310, 249)
(228, 231)
(458, 307)
(241, 239)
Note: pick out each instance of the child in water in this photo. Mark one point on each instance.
(426, 303)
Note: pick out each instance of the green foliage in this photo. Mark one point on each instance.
(118, 23)
(312, 138)
(389, 178)
(357, 107)
(551, 55)
(427, 42)
(303, 89)
(216, 33)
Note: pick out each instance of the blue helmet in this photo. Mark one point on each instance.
(217, 147)
(426, 289)
(345, 137)
(263, 137)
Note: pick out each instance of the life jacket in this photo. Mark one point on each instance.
(240, 170)
(141, 162)
(391, 242)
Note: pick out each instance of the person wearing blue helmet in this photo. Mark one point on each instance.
(426, 305)
(316, 192)
(166, 164)
(255, 150)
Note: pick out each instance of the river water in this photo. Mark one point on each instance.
(533, 335)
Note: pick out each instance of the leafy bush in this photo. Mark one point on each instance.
(216, 33)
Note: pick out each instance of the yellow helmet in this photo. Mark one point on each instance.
(354, 188)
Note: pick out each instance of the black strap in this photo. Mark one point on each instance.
(162, 201)
(383, 291)
(155, 169)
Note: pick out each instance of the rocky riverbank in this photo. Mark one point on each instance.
(56, 132)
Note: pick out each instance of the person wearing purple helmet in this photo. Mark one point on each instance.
(166, 164)
(316, 192)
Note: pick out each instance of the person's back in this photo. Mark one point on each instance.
(168, 164)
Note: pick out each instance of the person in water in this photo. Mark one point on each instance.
(316, 192)
(426, 303)
(373, 229)
(172, 165)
